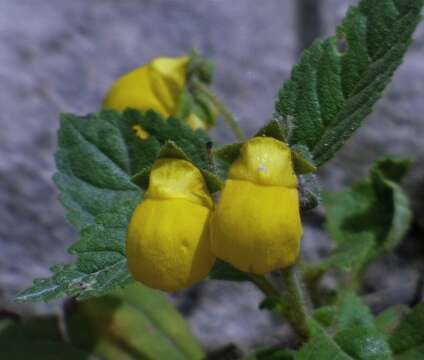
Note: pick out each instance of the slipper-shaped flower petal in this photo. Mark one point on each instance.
(256, 226)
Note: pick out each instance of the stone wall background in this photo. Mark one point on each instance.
(58, 55)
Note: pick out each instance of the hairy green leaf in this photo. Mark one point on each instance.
(354, 335)
(372, 217)
(332, 90)
(407, 341)
(131, 323)
(389, 319)
(36, 339)
(98, 162)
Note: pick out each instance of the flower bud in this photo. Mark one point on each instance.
(156, 86)
(256, 226)
(168, 243)
(161, 85)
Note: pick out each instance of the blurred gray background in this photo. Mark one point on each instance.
(59, 55)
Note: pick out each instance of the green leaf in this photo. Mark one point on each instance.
(353, 342)
(131, 323)
(407, 341)
(224, 271)
(98, 162)
(389, 319)
(347, 257)
(352, 312)
(361, 342)
(192, 143)
(36, 339)
(353, 333)
(372, 216)
(321, 346)
(330, 92)
(325, 315)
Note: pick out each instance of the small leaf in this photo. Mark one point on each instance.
(353, 312)
(347, 257)
(131, 323)
(309, 192)
(272, 304)
(393, 168)
(36, 339)
(373, 210)
(389, 319)
(325, 315)
(330, 92)
(224, 271)
(407, 341)
(354, 342)
(362, 342)
(321, 346)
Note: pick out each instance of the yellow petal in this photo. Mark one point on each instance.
(178, 179)
(168, 244)
(265, 161)
(256, 228)
(156, 86)
(174, 69)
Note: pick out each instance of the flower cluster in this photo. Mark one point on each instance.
(176, 233)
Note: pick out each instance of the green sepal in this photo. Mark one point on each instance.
(200, 68)
(142, 178)
(224, 157)
(302, 160)
(225, 271)
(213, 182)
(171, 150)
(273, 129)
(309, 192)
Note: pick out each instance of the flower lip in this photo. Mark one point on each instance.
(264, 161)
(178, 179)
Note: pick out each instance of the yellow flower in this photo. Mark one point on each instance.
(168, 243)
(256, 226)
(158, 85)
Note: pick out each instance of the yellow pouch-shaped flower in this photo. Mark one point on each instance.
(162, 86)
(256, 226)
(168, 243)
(156, 86)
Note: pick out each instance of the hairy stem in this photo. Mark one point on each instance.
(226, 114)
(296, 313)
(265, 286)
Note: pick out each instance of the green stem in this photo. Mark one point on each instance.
(265, 286)
(296, 313)
(226, 114)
